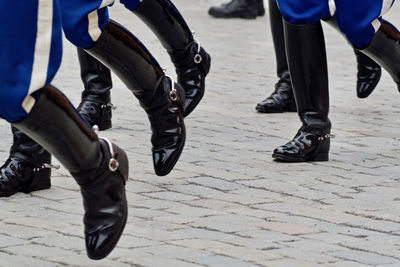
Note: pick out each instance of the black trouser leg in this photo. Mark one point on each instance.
(192, 62)
(99, 167)
(96, 105)
(132, 62)
(306, 54)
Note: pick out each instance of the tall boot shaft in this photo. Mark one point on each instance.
(384, 48)
(309, 72)
(95, 76)
(163, 101)
(26, 146)
(191, 61)
(96, 105)
(278, 37)
(129, 59)
(62, 131)
(167, 23)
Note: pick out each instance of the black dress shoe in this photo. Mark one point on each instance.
(305, 146)
(281, 99)
(245, 9)
(368, 75)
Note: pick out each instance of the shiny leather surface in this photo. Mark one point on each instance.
(166, 22)
(192, 74)
(368, 75)
(305, 146)
(247, 9)
(308, 69)
(309, 73)
(62, 131)
(77, 147)
(18, 175)
(281, 99)
(124, 54)
(95, 106)
(384, 49)
(169, 133)
(104, 201)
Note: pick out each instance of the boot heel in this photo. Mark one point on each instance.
(322, 152)
(321, 157)
(104, 125)
(41, 181)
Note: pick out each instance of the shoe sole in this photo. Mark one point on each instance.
(323, 156)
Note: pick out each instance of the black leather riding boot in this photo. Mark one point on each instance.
(99, 167)
(306, 54)
(384, 48)
(282, 98)
(192, 62)
(95, 106)
(368, 74)
(162, 101)
(368, 71)
(245, 9)
(27, 168)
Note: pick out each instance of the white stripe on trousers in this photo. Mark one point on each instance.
(42, 51)
(386, 5)
(93, 21)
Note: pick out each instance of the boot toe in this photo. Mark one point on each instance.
(164, 159)
(101, 242)
(367, 84)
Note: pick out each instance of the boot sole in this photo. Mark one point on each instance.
(266, 110)
(319, 157)
(124, 171)
(234, 16)
(197, 102)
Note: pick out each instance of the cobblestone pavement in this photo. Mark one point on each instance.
(227, 202)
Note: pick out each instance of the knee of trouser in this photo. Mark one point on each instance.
(84, 29)
(15, 104)
(131, 4)
(358, 34)
(303, 12)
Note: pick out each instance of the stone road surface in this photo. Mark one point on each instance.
(227, 203)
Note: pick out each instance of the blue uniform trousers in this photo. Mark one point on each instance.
(357, 19)
(30, 53)
(31, 45)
